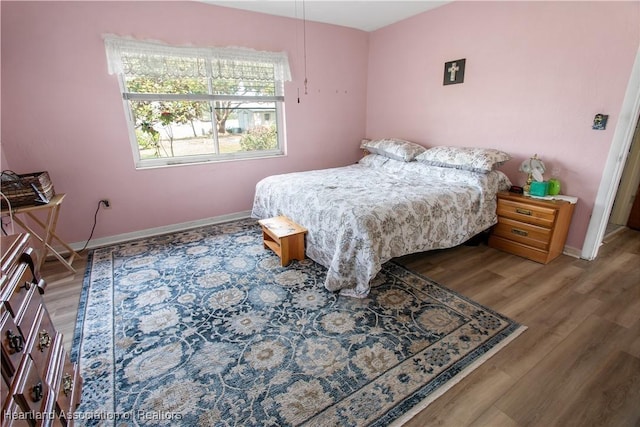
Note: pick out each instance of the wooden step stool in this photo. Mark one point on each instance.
(284, 237)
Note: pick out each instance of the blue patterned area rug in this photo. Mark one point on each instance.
(205, 328)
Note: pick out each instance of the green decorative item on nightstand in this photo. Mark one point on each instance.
(539, 188)
(554, 187)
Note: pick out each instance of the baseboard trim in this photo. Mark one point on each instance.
(150, 232)
(573, 252)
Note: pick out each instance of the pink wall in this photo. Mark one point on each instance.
(62, 112)
(536, 74)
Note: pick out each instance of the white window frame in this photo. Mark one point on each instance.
(118, 46)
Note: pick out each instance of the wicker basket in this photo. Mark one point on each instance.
(19, 190)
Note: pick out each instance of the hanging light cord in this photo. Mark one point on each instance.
(304, 43)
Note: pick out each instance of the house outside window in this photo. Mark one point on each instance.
(192, 105)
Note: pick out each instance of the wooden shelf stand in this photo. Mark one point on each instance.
(284, 237)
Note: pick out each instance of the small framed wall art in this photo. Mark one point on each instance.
(600, 122)
(454, 72)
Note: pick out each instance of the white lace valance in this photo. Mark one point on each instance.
(146, 58)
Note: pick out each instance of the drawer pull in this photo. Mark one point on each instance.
(37, 392)
(27, 285)
(16, 342)
(67, 384)
(524, 211)
(519, 232)
(44, 340)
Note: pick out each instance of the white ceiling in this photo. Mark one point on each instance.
(366, 15)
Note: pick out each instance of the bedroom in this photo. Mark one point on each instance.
(529, 88)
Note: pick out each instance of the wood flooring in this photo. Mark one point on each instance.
(578, 364)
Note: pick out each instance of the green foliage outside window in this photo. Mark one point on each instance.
(182, 112)
(260, 138)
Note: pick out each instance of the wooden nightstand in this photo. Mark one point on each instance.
(532, 228)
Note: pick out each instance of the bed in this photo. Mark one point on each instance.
(385, 206)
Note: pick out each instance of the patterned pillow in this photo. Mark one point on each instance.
(397, 149)
(468, 158)
(373, 160)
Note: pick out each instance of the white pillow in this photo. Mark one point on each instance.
(394, 148)
(467, 158)
(373, 160)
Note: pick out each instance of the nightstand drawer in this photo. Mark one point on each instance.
(537, 255)
(527, 212)
(531, 228)
(531, 235)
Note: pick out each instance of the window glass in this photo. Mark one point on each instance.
(187, 105)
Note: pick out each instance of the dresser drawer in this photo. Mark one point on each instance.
(526, 212)
(40, 386)
(40, 340)
(5, 386)
(13, 345)
(31, 390)
(20, 285)
(28, 313)
(531, 235)
(63, 376)
(14, 416)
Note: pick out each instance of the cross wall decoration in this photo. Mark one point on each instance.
(454, 72)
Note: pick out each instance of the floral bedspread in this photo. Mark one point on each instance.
(362, 215)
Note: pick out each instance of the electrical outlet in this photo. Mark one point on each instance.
(106, 203)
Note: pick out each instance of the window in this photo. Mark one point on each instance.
(189, 105)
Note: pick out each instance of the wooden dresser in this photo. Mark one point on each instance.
(40, 386)
(532, 228)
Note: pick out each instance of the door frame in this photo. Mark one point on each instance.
(629, 182)
(622, 138)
